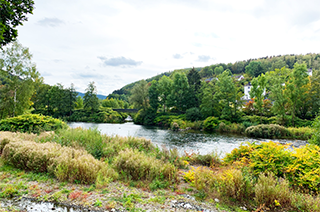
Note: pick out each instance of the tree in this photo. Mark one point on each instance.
(139, 97)
(218, 70)
(296, 88)
(154, 95)
(257, 92)
(276, 80)
(228, 96)
(315, 92)
(79, 103)
(12, 14)
(194, 81)
(164, 87)
(90, 99)
(180, 95)
(254, 69)
(18, 75)
(209, 103)
(71, 99)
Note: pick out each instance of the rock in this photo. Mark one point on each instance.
(187, 206)
(216, 200)
(244, 208)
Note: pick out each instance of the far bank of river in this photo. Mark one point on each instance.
(189, 141)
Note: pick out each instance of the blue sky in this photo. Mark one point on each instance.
(117, 42)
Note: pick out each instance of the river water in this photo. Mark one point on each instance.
(190, 141)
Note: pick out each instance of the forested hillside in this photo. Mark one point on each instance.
(258, 66)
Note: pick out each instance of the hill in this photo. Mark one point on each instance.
(98, 95)
(268, 63)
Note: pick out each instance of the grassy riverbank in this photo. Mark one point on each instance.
(245, 127)
(85, 167)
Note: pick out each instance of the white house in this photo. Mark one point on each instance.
(309, 71)
(239, 78)
(247, 89)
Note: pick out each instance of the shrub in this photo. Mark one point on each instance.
(223, 127)
(247, 124)
(267, 131)
(203, 179)
(270, 157)
(304, 170)
(3, 143)
(193, 114)
(31, 123)
(91, 139)
(145, 117)
(210, 123)
(139, 166)
(177, 124)
(233, 184)
(241, 153)
(106, 115)
(270, 192)
(210, 159)
(303, 133)
(315, 139)
(63, 162)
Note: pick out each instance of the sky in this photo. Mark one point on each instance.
(117, 42)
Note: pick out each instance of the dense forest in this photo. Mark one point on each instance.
(281, 88)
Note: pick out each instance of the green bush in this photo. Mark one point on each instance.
(193, 114)
(164, 120)
(304, 170)
(139, 166)
(106, 115)
(256, 119)
(31, 123)
(315, 139)
(270, 157)
(145, 117)
(177, 124)
(267, 131)
(210, 123)
(67, 164)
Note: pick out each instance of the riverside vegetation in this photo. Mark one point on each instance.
(266, 176)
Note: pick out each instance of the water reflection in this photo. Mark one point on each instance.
(183, 140)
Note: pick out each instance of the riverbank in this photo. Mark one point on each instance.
(88, 169)
(116, 196)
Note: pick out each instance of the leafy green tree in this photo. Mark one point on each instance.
(18, 75)
(257, 92)
(71, 99)
(90, 99)
(296, 88)
(315, 92)
(206, 72)
(228, 96)
(79, 102)
(139, 97)
(276, 80)
(112, 103)
(12, 14)
(154, 95)
(164, 87)
(254, 69)
(218, 70)
(209, 102)
(194, 81)
(180, 94)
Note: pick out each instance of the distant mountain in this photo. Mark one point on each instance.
(98, 95)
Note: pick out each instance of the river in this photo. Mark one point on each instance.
(190, 141)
